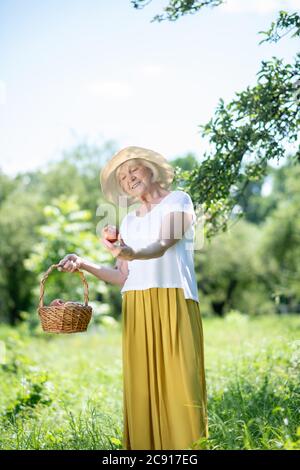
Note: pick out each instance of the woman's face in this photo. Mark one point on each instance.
(135, 178)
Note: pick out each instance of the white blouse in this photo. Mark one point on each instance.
(176, 267)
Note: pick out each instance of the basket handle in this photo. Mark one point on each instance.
(43, 280)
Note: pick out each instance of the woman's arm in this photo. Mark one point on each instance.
(174, 226)
(116, 275)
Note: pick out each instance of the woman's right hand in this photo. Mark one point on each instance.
(110, 233)
(70, 263)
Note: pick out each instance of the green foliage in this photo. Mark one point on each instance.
(285, 24)
(6, 186)
(177, 8)
(60, 393)
(279, 251)
(32, 395)
(30, 385)
(67, 230)
(19, 213)
(254, 266)
(77, 172)
(23, 200)
(231, 275)
(243, 135)
(252, 129)
(253, 381)
(185, 163)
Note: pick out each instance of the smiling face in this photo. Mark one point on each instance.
(134, 178)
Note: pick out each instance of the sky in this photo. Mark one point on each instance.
(99, 70)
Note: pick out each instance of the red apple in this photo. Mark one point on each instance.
(57, 302)
(110, 233)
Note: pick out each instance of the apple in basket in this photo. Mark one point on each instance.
(57, 302)
(110, 233)
(60, 302)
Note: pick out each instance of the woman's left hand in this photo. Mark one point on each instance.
(123, 251)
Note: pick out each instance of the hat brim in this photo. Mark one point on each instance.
(109, 184)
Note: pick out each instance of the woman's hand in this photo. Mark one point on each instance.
(110, 233)
(122, 251)
(70, 263)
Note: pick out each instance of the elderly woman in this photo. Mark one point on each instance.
(165, 402)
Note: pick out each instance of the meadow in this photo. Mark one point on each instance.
(65, 391)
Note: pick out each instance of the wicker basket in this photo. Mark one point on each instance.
(70, 318)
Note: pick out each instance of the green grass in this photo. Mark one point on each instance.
(65, 392)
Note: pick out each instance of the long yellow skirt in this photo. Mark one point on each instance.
(164, 393)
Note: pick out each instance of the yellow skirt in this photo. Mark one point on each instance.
(164, 393)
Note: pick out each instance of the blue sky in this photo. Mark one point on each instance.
(98, 70)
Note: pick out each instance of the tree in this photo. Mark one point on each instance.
(26, 202)
(229, 273)
(68, 229)
(7, 185)
(177, 8)
(279, 250)
(19, 214)
(185, 163)
(255, 127)
(76, 172)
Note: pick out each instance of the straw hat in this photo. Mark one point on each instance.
(109, 184)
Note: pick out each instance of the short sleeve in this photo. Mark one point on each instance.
(180, 202)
